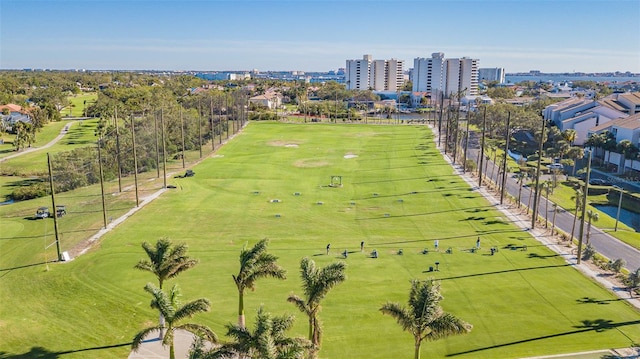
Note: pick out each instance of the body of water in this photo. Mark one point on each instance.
(568, 78)
(627, 217)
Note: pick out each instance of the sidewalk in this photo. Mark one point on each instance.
(543, 236)
(152, 347)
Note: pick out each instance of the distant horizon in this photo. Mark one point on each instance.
(316, 35)
(523, 73)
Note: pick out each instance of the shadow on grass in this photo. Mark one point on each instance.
(25, 266)
(444, 238)
(589, 300)
(503, 271)
(418, 214)
(598, 326)
(42, 353)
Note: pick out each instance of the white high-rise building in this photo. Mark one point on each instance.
(438, 75)
(377, 75)
(357, 73)
(492, 74)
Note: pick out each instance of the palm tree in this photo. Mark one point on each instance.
(268, 340)
(634, 280)
(577, 197)
(570, 135)
(255, 263)
(171, 309)
(165, 261)
(424, 318)
(593, 216)
(316, 282)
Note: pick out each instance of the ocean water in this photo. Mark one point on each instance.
(563, 78)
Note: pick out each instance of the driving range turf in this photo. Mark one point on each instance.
(397, 193)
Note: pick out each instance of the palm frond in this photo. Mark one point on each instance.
(400, 314)
(199, 330)
(139, 338)
(299, 302)
(447, 325)
(192, 308)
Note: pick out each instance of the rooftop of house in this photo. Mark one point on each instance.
(12, 108)
(633, 97)
(631, 123)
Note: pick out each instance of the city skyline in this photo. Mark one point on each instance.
(313, 35)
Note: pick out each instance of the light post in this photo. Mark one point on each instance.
(615, 229)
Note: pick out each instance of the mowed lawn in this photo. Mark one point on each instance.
(397, 193)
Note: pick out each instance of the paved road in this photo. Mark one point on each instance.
(604, 243)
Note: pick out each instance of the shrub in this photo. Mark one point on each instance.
(32, 191)
(617, 265)
(588, 252)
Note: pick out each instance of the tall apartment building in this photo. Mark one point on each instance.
(377, 75)
(492, 74)
(449, 76)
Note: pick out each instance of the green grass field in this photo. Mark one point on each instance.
(397, 193)
(78, 104)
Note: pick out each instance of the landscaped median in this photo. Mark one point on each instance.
(396, 193)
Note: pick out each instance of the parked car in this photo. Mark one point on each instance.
(42, 212)
(555, 166)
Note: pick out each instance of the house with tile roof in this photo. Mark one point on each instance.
(627, 128)
(11, 114)
(581, 115)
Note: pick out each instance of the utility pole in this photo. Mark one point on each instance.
(440, 119)
(200, 127)
(135, 159)
(53, 204)
(584, 206)
(118, 151)
(535, 198)
(182, 135)
(484, 126)
(164, 151)
(104, 204)
(466, 146)
(155, 128)
(504, 162)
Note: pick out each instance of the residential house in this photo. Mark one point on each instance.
(270, 100)
(627, 128)
(580, 115)
(628, 103)
(14, 114)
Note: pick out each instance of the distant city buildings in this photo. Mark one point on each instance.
(492, 74)
(437, 75)
(376, 75)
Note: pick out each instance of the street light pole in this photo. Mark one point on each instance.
(615, 229)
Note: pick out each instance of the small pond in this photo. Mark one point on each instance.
(627, 217)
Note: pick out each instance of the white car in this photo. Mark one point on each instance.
(555, 166)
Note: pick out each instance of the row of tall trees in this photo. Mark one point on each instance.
(423, 318)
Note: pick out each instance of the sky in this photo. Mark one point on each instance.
(318, 35)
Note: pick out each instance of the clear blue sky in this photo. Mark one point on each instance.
(519, 35)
